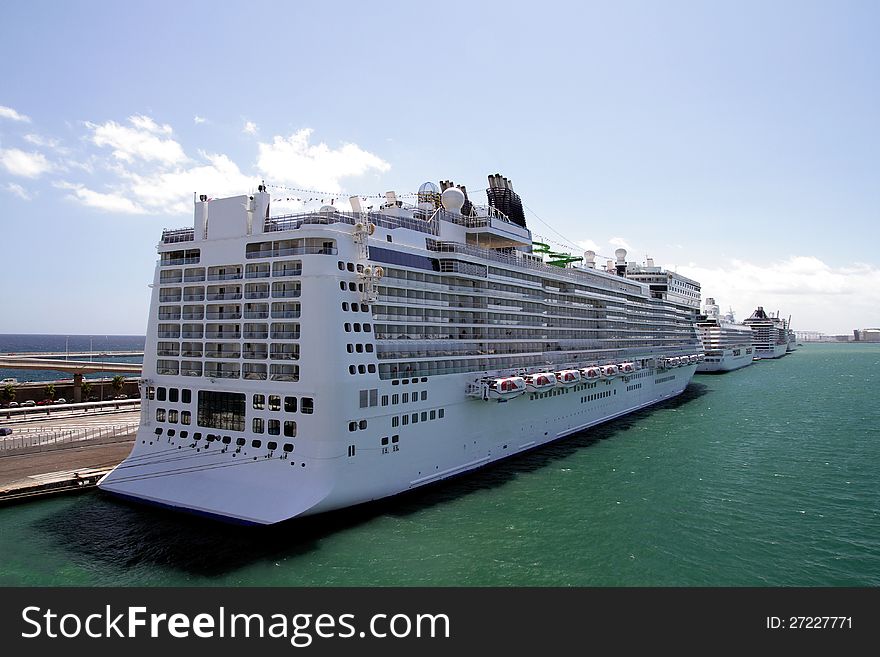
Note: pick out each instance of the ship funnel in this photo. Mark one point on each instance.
(590, 259)
(650, 262)
(620, 267)
(355, 203)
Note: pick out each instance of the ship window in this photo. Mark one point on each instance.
(357, 327)
(352, 426)
(171, 433)
(351, 369)
(371, 368)
(366, 328)
(354, 307)
(385, 440)
(405, 419)
(369, 348)
(351, 450)
(362, 369)
(256, 444)
(384, 400)
(186, 396)
(160, 393)
(388, 237)
(151, 392)
(425, 416)
(160, 415)
(415, 418)
(307, 405)
(290, 404)
(360, 269)
(274, 427)
(259, 402)
(227, 440)
(185, 417)
(359, 348)
(350, 266)
(352, 287)
(365, 308)
(272, 445)
(362, 424)
(406, 398)
(440, 413)
(345, 305)
(173, 394)
(184, 434)
(158, 431)
(395, 438)
(364, 398)
(197, 436)
(290, 429)
(395, 399)
(424, 395)
(221, 410)
(433, 415)
(257, 426)
(274, 402)
(172, 416)
(341, 265)
(374, 397)
(349, 348)
(342, 286)
(288, 447)
(347, 327)
(424, 379)
(395, 421)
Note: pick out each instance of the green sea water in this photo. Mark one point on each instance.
(767, 476)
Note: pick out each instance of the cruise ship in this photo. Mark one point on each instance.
(727, 345)
(769, 334)
(302, 363)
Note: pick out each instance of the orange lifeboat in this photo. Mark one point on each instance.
(609, 371)
(626, 368)
(591, 373)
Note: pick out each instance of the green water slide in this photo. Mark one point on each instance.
(556, 258)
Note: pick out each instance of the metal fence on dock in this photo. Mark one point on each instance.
(44, 439)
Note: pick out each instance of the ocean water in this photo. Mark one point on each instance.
(766, 476)
(63, 344)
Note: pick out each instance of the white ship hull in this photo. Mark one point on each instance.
(729, 360)
(771, 351)
(253, 488)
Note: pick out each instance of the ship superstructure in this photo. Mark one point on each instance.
(727, 345)
(769, 334)
(301, 363)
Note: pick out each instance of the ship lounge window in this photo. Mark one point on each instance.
(352, 287)
(221, 410)
(274, 427)
(257, 426)
(395, 399)
(151, 392)
(172, 416)
(160, 393)
(259, 402)
(440, 413)
(307, 405)
(345, 305)
(424, 395)
(342, 286)
(274, 402)
(290, 404)
(362, 424)
(384, 400)
(160, 415)
(290, 429)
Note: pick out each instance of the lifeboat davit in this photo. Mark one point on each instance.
(591, 373)
(540, 381)
(627, 368)
(567, 378)
(683, 361)
(694, 358)
(506, 388)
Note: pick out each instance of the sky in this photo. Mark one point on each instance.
(737, 143)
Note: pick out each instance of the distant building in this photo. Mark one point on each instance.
(867, 335)
(809, 336)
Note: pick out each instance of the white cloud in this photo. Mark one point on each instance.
(39, 140)
(19, 191)
(143, 142)
(199, 119)
(113, 202)
(588, 245)
(818, 297)
(250, 128)
(619, 243)
(9, 113)
(294, 160)
(25, 164)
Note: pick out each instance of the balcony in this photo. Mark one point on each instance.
(225, 277)
(225, 296)
(224, 315)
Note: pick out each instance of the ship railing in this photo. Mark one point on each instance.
(225, 277)
(194, 278)
(295, 221)
(171, 236)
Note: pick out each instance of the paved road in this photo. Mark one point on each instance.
(27, 467)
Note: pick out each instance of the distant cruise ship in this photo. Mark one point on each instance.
(727, 345)
(302, 363)
(769, 334)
